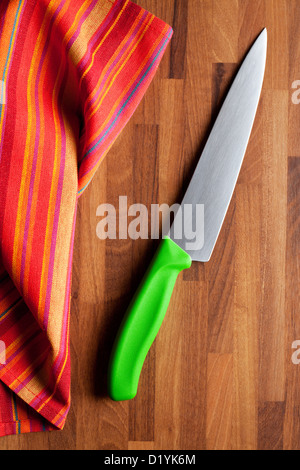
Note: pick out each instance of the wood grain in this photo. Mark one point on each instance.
(219, 401)
(220, 375)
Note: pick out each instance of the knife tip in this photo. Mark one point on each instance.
(264, 33)
(262, 39)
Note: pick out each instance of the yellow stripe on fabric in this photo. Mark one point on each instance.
(64, 237)
(87, 178)
(129, 53)
(101, 42)
(52, 199)
(75, 24)
(111, 61)
(59, 376)
(35, 195)
(26, 174)
(53, 192)
(88, 29)
(125, 90)
(21, 378)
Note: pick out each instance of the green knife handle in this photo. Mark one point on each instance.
(143, 320)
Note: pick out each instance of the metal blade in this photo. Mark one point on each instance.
(217, 172)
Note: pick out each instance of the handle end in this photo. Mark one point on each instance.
(121, 393)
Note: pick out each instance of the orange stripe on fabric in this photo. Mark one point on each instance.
(86, 179)
(21, 378)
(45, 69)
(127, 56)
(17, 358)
(28, 157)
(62, 411)
(36, 185)
(88, 176)
(52, 199)
(88, 29)
(112, 59)
(54, 330)
(64, 233)
(7, 42)
(95, 135)
(25, 425)
(77, 19)
(101, 42)
(60, 374)
(6, 31)
(54, 184)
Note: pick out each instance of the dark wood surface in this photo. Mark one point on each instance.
(219, 375)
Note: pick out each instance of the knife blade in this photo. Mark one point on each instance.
(211, 187)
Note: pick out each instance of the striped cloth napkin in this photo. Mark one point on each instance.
(72, 72)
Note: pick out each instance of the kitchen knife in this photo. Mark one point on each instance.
(211, 187)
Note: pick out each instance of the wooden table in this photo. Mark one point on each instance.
(220, 375)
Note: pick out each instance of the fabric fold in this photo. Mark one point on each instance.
(72, 73)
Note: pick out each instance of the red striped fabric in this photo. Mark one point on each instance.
(72, 72)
